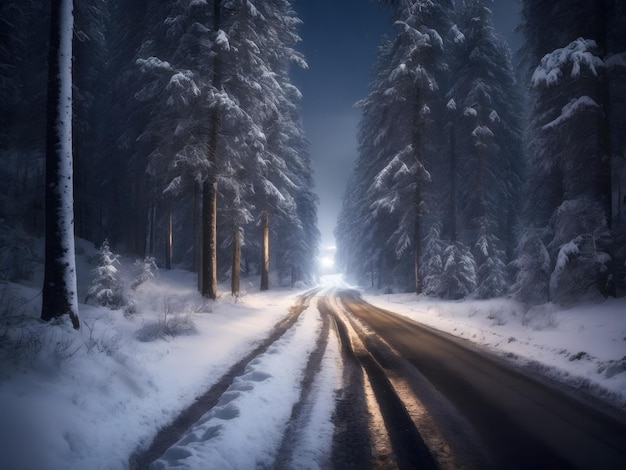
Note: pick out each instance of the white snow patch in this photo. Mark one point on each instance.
(579, 54)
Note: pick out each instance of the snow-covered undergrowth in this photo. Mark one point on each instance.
(86, 399)
(583, 346)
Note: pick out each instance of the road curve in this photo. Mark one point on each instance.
(473, 410)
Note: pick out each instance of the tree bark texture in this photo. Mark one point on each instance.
(169, 245)
(265, 250)
(209, 189)
(59, 293)
(236, 267)
(209, 239)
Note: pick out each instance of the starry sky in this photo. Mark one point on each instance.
(339, 40)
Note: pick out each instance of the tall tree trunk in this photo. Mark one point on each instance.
(265, 250)
(453, 207)
(236, 267)
(141, 208)
(209, 239)
(169, 242)
(59, 293)
(418, 199)
(209, 188)
(418, 242)
(197, 234)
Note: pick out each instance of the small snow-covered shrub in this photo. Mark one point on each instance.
(498, 318)
(146, 270)
(532, 266)
(106, 288)
(179, 325)
(171, 325)
(100, 339)
(540, 318)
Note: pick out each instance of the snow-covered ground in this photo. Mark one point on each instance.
(89, 399)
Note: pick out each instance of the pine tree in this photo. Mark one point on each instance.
(487, 123)
(458, 277)
(433, 261)
(106, 288)
(569, 183)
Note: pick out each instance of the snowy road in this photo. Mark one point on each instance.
(471, 410)
(342, 384)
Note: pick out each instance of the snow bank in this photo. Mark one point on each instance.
(87, 399)
(584, 346)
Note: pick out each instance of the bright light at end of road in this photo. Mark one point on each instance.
(326, 260)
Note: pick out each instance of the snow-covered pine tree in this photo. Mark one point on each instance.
(59, 294)
(532, 265)
(362, 232)
(485, 104)
(458, 276)
(432, 264)
(491, 275)
(417, 68)
(570, 164)
(106, 288)
(145, 270)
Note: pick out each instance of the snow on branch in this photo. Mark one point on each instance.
(221, 39)
(182, 81)
(570, 109)
(391, 168)
(470, 112)
(153, 64)
(457, 35)
(482, 132)
(578, 54)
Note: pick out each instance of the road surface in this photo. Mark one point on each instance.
(415, 398)
(435, 401)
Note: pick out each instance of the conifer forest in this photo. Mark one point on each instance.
(481, 172)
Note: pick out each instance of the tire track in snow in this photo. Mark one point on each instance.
(308, 439)
(393, 438)
(170, 434)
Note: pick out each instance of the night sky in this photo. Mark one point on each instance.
(340, 39)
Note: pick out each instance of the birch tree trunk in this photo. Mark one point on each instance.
(59, 293)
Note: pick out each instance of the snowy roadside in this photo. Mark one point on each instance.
(583, 346)
(255, 411)
(88, 399)
(81, 400)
